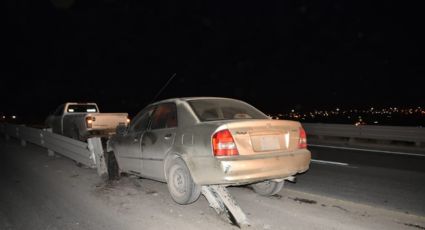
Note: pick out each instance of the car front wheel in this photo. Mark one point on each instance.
(180, 183)
(268, 188)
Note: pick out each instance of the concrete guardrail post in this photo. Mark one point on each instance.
(50, 152)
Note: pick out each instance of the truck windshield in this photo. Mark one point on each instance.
(82, 109)
(224, 109)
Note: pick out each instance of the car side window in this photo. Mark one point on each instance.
(165, 116)
(141, 122)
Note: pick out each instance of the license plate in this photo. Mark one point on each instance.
(268, 143)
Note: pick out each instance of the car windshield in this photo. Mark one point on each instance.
(81, 109)
(224, 109)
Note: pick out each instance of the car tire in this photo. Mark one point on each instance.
(180, 183)
(112, 166)
(268, 187)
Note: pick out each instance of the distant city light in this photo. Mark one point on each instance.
(412, 116)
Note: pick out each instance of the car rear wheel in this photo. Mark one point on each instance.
(268, 188)
(112, 166)
(180, 183)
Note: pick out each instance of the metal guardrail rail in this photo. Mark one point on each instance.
(413, 137)
(89, 153)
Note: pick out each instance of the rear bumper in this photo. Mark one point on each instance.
(249, 169)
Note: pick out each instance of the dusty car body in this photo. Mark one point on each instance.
(212, 141)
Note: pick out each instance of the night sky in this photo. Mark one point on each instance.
(276, 55)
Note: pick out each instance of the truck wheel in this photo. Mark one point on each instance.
(112, 165)
(180, 183)
(268, 188)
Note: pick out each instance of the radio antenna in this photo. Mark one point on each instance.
(163, 87)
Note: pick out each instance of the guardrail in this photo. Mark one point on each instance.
(89, 153)
(385, 136)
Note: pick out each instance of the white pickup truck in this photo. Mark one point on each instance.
(83, 120)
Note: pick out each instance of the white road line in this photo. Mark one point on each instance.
(369, 150)
(329, 162)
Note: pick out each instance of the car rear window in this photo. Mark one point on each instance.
(223, 109)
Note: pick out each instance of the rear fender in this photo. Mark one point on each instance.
(167, 162)
(184, 156)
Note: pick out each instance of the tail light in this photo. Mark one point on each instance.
(89, 122)
(302, 143)
(223, 144)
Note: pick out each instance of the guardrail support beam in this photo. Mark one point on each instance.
(50, 152)
(96, 148)
(225, 205)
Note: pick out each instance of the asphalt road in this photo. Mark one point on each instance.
(391, 181)
(39, 192)
(397, 160)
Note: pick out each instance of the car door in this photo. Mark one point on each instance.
(158, 140)
(128, 147)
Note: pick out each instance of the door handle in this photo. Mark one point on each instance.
(168, 136)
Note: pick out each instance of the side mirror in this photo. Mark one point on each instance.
(121, 129)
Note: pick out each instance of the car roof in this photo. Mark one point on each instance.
(191, 98)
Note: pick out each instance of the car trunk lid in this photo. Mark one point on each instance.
(264, 136)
